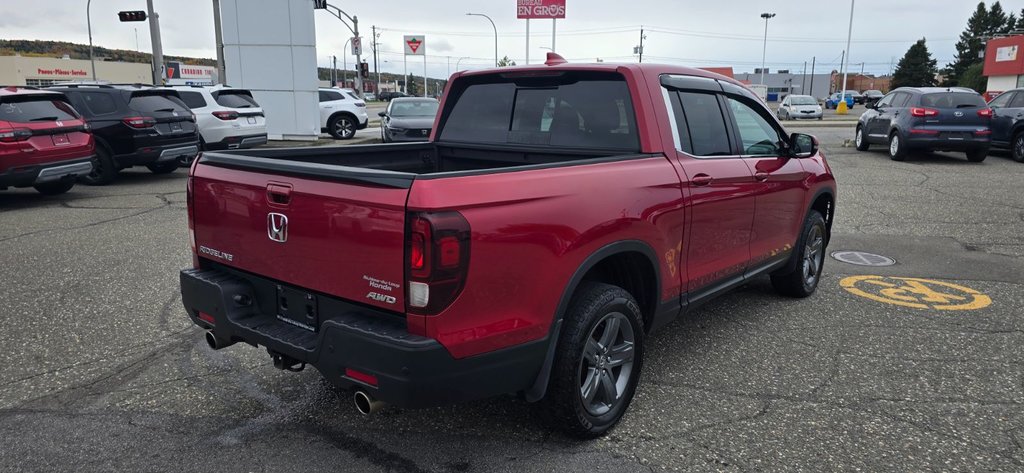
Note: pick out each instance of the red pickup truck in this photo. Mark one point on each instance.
(558, 214)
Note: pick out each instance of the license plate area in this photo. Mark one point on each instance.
(61, 139)
(175, 126)
(297, 307)
(956, 136)
(251, 120)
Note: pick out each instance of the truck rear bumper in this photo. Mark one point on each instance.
(410, 370)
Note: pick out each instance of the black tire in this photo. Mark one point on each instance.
(897, 150)
(342, 127)
(977, 155)
(163, 168)
(861, 140)
(103, 169)
(56, 187)
(595, 309)
(809, 254)
(1017, 147)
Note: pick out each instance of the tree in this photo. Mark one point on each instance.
(916, 68)
(505, 61)
(972, 78)
(413, 86)
(996, 20)
(970, 46)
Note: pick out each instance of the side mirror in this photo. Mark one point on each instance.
(381, 114)
(802, 145)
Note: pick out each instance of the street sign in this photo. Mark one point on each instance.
(357, 46)
(137, 15)
(534, 9)
(415, 45)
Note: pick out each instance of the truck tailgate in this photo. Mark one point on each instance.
(344, 238)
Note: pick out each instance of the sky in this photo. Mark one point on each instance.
(686, 32)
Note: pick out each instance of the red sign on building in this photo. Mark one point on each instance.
(540, 9)
(1004, 56)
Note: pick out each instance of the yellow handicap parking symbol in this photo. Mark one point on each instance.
(915, 292)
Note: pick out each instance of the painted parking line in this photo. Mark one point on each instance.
(915, 292)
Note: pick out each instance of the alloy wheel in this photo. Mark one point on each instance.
(813, 255)
(1018, 148)
(345, 128)
(607, 363)
(894, 145)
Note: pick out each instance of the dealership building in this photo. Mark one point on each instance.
(43, 71)
(1004, 64)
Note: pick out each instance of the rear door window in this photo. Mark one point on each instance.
(236, 99)
(901, 99)
(35, 109)
(706, 124)
(952, 100)
(193, 99)
(1002, 100)
(1018, 101)
(98, 103)
(583, 111)
(155, 103)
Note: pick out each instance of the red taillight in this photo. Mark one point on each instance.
(11, 135)
(438, 252)
(207, 318)
(226, 114)
(982, 132)
(361, 377)
(923, 112)
(919, 131)
(189, 196)
(140, 122)
(985, 113)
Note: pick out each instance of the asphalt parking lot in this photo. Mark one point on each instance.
(102, 371)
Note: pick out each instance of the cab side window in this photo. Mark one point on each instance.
(704, 124)
(757, 135)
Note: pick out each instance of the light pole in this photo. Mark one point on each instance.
(354, 28)
(495, 35)
(846, 59)
(764, 49)
(88, 22)
(459, 62)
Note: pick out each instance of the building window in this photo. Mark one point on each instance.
(1020, 81)
(39, 82)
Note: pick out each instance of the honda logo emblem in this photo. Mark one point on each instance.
(959, 114)
(424, 132)
(277, 227)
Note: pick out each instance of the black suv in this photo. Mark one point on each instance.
(927, 118)
(387, 96)
(1008, 122)
(134, 125)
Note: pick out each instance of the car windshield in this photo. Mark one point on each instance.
(155, 103)
(952, 100)
(803, 100)
(414, 108)
(874, 93)
(34, 109)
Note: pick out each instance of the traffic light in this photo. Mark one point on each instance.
(364, 70)
(319, 4)
(137, 15)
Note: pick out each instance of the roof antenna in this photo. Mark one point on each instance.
(554, 59)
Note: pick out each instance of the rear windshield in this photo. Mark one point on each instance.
(952, 100)
(572, 110)
(156, 103)
(236, 99)
(414, 108)
(35, 109)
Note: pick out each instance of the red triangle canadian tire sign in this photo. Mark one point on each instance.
(415, 45)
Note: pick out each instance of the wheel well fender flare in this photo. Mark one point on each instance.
(540, 385)
(791, 264)
(341, 113)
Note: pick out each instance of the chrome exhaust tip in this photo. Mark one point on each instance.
(366, 404)
(216, 343)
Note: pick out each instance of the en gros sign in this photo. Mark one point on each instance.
(533, 9)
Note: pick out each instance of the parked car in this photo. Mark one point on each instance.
(388, 96)
(228, 118)
(530, 247)
(408, 119)
(857, 96)
(369, 97)
(872, 96)
(795, 107)
(134, 125)
(44, 142)
(833, 100)
(1008, 122)
(927, 118)
(342, 113)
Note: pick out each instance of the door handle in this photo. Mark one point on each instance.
(280, 194)
(761, 176)
(701, 179)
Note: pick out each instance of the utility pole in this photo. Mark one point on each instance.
(373, 44)
(813, 58)
(641, 50)
(158, 49)
(334, 70)
(846, 58)
(219, 37)
(803, 79)
(88, 21)
(339, 14)
(842, 58)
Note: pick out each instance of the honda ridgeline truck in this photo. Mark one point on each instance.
(558, 215)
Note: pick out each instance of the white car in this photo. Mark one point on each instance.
(795, 107)
(342, 112)
(228, 118)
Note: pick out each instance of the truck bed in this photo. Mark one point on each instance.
(397, 164)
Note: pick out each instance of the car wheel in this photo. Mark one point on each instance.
(163, 168)
(342, 127)
(597, 362)
(55, 188)
(860, 140)
(977, 155)
(803, 279)
(1017, 151)
(103, 169)
(897, 150)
